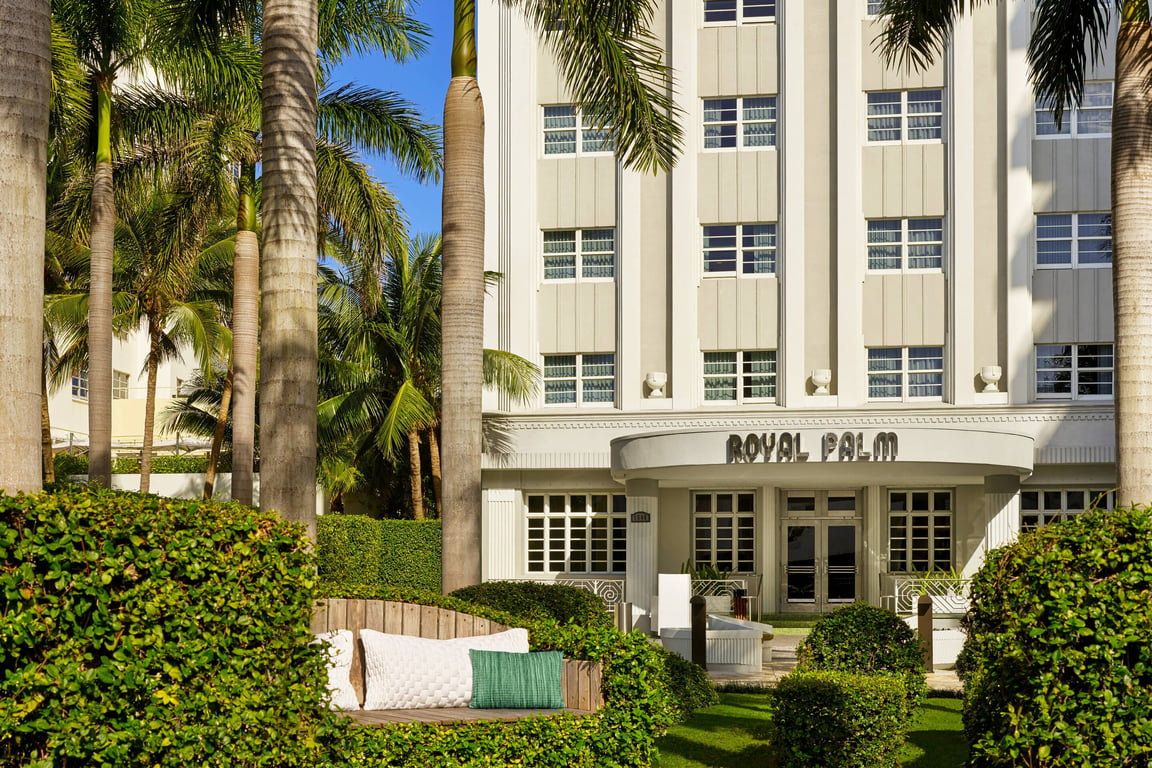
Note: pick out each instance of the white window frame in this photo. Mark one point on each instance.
(1041, 506)
(906, 372)
(741, 374)
(740, 123)
(1074, 240)
(902, 520)
(1075, 369)
(580, 378)
(582, 129)
(579, 267)
(80, 384)
(740, 554)
(739, 12)
(1097, 91)
(872, 8)
(903, 116)
(904, 244)
(120, 383)
(742, 250)
(556, 524)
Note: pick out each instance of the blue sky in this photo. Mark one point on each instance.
(423, 82)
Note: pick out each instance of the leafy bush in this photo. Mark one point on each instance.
(67, 464)
(561, 602)
(356, 551)
(155, 632)
(1058, 664)
(688, 683)
(839, 719)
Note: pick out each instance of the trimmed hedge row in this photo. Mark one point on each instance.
(1057, 668)
(357, 552)
(66, 464)
(560, 602)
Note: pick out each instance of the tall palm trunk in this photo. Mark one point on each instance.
(288, 307)
(245, 309)
(25, 50)
(434, 468)
(416, 485)
(218, 439)
(1132, 248)
(462, 307)
(49, 458)
(150, 406)
(100, 295)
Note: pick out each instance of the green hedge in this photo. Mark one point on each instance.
(563, 603)
(1058, 663)
(839, 720)
(141, 631)
(357, 552)
(66, 464)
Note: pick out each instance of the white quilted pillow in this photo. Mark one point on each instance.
(340, 668)
(411, 672)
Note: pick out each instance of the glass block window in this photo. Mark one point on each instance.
(577, 532)
(906, 115)
(741, 11)
(905, 244)
(1074, 371)
(587, 254)
(740, 377)
(580, 379)
(919, 531)
(1040, 507)
(573, 130)
(119, 385)
(1092, 118)
(724, 530)
(905, 373)
(740, 249)
(1073, 240)
(80, 384)
(747, 121)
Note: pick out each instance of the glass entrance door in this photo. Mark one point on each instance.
(820, 563)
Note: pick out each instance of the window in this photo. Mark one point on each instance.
(724, 531)
(919, 531)
(572, 130)
(874, 7)
(577, 533)
(80, 384)
(905, 373)
(1073, 240)
(740, 377)
(580, 379)
(748, 121)
(906, 115)
(746, 11)
(1092, 118)
(587, 253)
(1074, 371)
(119, 385)
(1038, 508)
(740, 249)
(906, 244)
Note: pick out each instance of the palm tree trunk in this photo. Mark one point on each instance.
(414, 480)
(462, 307)
(245, 310)
(100, 298)
(1132, 265)
(49, 460)
(434, 467)
(150, 407)
(217, 440)
(288, 306)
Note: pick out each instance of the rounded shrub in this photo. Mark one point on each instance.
(1058, 663)
(560, 602)
(688, 683)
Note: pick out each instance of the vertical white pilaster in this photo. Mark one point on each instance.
(1020, 224)
(961, 214)
(769, 549)
(630, 377)
(874, 568)
(790, 25)
(502, 534)
(1001, 518)
(640, 587)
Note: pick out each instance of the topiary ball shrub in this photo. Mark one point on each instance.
(559, 602)
(688, 683)
(1058, 662)
(143, 631)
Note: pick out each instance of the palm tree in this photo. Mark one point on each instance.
(25, 40)
(1063, 35)
(610, 60)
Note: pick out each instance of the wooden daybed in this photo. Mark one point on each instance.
(580, 682)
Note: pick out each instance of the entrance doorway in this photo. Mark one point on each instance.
(820, 551)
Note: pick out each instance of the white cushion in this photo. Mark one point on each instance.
(405, 672)
(340, 668)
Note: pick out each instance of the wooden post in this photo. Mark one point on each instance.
(699, 626)
(924, 627)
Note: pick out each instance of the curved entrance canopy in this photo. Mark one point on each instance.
(833, 455)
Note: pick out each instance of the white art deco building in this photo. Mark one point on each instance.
(863, 329)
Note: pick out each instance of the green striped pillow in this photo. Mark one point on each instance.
(503, 680)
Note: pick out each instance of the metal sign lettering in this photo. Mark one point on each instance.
(780, 447)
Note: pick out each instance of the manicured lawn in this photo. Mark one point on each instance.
(732, 735)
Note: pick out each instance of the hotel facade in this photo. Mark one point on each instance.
(862, 330)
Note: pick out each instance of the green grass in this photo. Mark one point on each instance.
(732, 735)
(791, 620)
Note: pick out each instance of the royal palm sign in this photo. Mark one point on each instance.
(831, 446)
